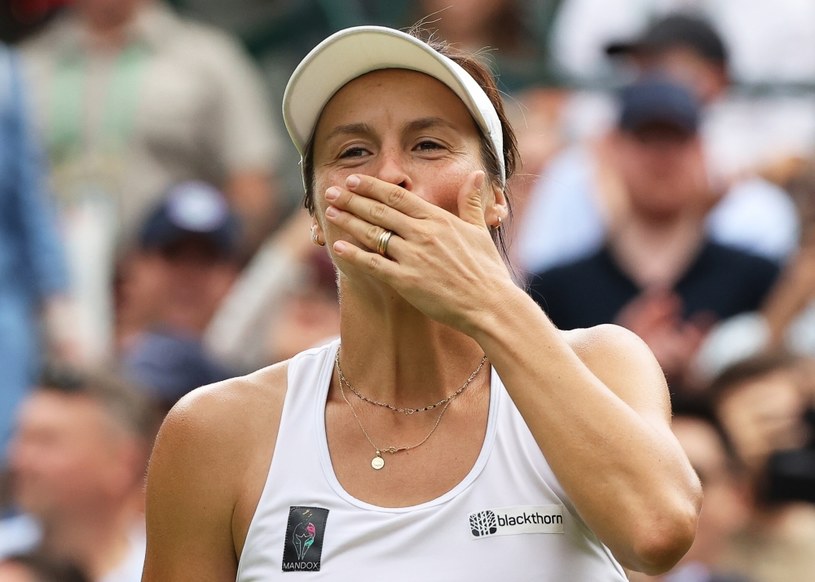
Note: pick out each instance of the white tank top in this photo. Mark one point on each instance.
(507, 520)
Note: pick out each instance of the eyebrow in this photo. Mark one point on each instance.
(429, 122)
(349, 129)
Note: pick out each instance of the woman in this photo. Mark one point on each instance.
(450, 412)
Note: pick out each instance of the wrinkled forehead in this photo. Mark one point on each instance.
(393, 91)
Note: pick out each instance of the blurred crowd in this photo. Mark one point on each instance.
(152, 240)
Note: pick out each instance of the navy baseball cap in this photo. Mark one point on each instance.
(657, 101)
(676, 30)
(191, 209)
(169, 364)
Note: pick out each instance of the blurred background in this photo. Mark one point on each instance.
(152, 238)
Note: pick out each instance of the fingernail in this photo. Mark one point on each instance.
(332, 193)
(331, 212)
(352, 181)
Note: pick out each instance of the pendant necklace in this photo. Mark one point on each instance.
(378, 461)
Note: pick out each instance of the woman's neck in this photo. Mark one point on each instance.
(393, 353)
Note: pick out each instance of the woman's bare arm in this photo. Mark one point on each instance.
(597, 403)
(206, 474)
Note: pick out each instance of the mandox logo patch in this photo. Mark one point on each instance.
(524, 519)
(303, 546)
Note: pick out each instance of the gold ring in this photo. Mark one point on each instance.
(382, 242)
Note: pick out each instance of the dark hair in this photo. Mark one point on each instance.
(483, 76)
(749, 369)
(129, 405)
(46, 568)
(700, 408)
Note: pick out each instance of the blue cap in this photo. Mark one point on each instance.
(170, 364)
(657, 101)
(677, 30)
(191, 209)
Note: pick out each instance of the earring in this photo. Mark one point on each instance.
(497, 226)
(315, 237)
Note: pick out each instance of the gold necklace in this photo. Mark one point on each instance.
(404, 409)
(378, 461)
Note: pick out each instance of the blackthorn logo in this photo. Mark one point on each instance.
(483, 523)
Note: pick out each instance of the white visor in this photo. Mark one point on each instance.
(352, 52)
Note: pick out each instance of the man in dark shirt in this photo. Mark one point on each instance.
(658, 273)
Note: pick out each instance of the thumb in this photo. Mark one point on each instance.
(470, 208)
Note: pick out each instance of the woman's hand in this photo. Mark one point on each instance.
(446, 266)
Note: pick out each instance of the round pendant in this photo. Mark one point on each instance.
(377, 462)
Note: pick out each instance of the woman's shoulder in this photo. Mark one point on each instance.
(612, 348)
(623, 361)
(228, 406)
(607, 339)
(225, 425)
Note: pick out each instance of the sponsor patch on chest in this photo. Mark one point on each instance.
(523, 519)
(303, 546)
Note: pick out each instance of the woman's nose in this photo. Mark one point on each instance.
(392, 169)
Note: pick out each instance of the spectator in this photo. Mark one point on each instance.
(284, 301)
(33, 275)
(684, 46)
(131, 99)
(573, 204)
(78, 460)
(726, 507)
(172, 283)
(657, 273)
(787, 319)
(762, 403)
(39, 568)
(310, 314)
(771, 46)
(748, 211)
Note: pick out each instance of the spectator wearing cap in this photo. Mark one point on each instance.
(746, 210)
(770, 44)
(657, 272)
(185, 262)
(684, 46)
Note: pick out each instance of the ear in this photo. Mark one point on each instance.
(497, 207)
(317, 235)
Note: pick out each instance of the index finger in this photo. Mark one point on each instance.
(389, 194)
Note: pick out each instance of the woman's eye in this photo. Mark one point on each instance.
(427, 145)
(353, 152)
